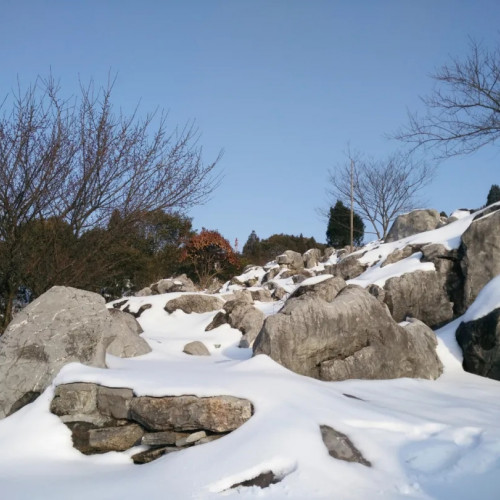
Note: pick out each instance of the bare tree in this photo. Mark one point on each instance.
(78, 160)
(463, 112)
(381, 189)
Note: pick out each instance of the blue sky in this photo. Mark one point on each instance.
(283, 86)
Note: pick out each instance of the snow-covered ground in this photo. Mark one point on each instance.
(425, 439)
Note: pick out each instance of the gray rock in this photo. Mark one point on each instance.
(190, 439)
(480, 252)
(422, 295)
(261, 295)
(61, 326)
(177, 284)
(74, 399)
(352, 337)
(312, 258)
(145, 292)
(194, 303)
(241, 315)
(339, 446)
(263, 480)
(209, 439)
(164, 438)
(291, 259)
(329, 251)
(401, 254)
(412, 223)
(113, 402)
(128, 344)
(349, 268)
(184, 413)
(115, 438)
(145, 457)
(480, 343)
(196, 348)
(327, 289)
(377, 292)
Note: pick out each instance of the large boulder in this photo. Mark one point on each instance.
(326, 289)
(312, 258)
(194, 303)
(354, 336)
(412, 223)
(480, 250)
(178, 284)
(61, 326)
(128, 344)
(349, 267)
(291, 259)
(480, 343)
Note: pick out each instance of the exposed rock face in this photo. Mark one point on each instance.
(480, 252)
(113, 419)
(128, 344)
(422, 295)
(434, 297)
(339, 446)
(186, 413)
(243, 316)
(326, 290)
(291, 259)
(413, 222)
(194, 303)
(349, 268)
(61, 326)
(401, 254)
(354, 336)
(480, 343)
(196, 348)
(312, 258)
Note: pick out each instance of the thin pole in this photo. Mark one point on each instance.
(352, 206)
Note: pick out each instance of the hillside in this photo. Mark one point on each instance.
(407, 438)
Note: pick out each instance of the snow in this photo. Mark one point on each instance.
(425, 439)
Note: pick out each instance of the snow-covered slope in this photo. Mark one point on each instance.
(425, 439)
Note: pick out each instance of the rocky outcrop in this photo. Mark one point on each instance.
(194, 303)
(480, 251)
(349, 267)
(312, 258)
(412, 223)
(61, 326)
(354, 336)
(291, 259)
(480, 343)
(243, 316)
(113, 419)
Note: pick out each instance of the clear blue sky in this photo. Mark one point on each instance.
(281, 85)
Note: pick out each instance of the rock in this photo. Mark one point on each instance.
(196, 348)
(349, 268)
(184, 413)
(80, 436)
(327, 289)
(209, 439)
(241, 315)
(400, 254)
(263, 480)
(177, 284)
(147, 456)
(291, 259)
(138, 313)
(261, 295)
(243, 295)
(74, 399)
(115, 438)
(190, 439)
(61, 326)
(145, 292)
(128, 344)
(194, 303)
(412, 223)
(480, 343)
(162, 438)
(480, 251)
(377, 292)
(312, 258)
(422, 295)
(354, 336)
(340, 446)
(271, 274)
(329, 251)
(112, 402)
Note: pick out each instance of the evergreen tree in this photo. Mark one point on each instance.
(338, 233)
(493, 195)
(251, 249)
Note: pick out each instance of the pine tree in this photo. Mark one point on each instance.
(493, 195)
(338, 233)
(251, 249)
